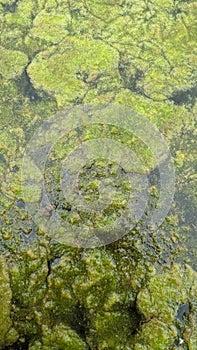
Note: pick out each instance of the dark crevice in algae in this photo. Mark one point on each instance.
(18, 346)
(136, 319)
(131, 81)
(27, 90)
(81, 324)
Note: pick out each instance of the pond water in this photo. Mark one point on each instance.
(98, 243)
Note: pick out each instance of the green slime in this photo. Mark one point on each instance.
(128, 295)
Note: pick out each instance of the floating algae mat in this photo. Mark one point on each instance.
(98, 246)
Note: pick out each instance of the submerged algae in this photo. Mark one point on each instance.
(126, 296)
(5, 296)
(159, 302)
(91, 300)
(59, 337)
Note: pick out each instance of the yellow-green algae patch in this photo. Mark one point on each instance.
(59, 337)
(7, 334)
(50, 27)
(12, 62)
(67, 71)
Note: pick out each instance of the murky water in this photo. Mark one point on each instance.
(97, 142)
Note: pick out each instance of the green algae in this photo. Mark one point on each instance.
(159, 302)
(50, 27)
(22, 17)
(77, 71)
(7, 334)
(12, 63)
(129, 295)
(91, 288)
(6, 294)
(59, 337)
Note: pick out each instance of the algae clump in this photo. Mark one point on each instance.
(6, 333)
(167, 304)
(68, 72)
(59, 337)
(50, 27)
(12, 63)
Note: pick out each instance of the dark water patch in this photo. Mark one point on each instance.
(154, 177)
(182, 318)
(27, 90)
(183, 312)
(20, 204)
(184, 97)
(18, 346)
(11, 7)
(2, 159)
(14, 169)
